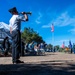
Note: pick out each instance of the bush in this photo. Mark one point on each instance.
(61, 50)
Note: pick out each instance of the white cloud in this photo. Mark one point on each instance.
(46, 26)
(38, 19)
(72, 30)
(64, 19)
(64, 40)
(60, 42)
(40, 15)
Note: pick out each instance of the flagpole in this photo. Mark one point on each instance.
(52, 30)
(53, 39)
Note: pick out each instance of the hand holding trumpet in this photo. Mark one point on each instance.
(26, 13)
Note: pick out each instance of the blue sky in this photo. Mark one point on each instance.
(45, 12)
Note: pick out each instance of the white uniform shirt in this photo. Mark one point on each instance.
(15, 22)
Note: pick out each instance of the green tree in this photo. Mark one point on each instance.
(29, 35)
(57, 47)
(49, 46)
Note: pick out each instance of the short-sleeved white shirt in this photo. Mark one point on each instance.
(15, 22)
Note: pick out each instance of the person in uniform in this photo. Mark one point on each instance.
(15, 24)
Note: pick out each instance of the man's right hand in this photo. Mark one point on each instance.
(23, 13)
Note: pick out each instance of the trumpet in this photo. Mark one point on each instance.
(30, 13)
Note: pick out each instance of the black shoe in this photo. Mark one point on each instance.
(18, 61)
(13, 62)
(5, 54)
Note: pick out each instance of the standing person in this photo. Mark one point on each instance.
(54, 49)
(42, 51)
(14, 24)
(26, 47)
(22, 47)
(70, 46)
(41, 46)
(74, 48)
(7, 46)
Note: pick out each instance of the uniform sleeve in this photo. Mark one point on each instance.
(21, 18)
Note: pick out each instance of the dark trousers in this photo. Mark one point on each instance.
(71, 50)
(6, 51)
(7, 47)
(16, 45)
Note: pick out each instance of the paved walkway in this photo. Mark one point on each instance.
(50, 64)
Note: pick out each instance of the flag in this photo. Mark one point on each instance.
(70, 44)
(52, 28)
(63, 45)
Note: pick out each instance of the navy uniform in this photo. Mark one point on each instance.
(14, 24)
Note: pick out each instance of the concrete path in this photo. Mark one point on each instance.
(50, 64)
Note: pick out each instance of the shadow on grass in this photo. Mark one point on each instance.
(43, 68)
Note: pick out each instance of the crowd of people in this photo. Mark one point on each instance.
(34, 48)
(26, 48)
